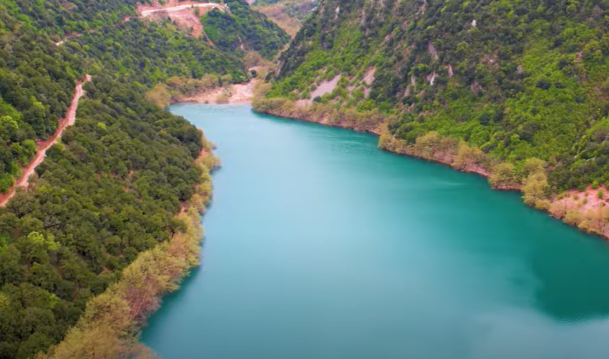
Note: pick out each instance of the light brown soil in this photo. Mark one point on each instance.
(284, 12)
(43, 146)
(585, 202)
(68, 37)
(146, 10)
(239, 94)
(278, 14)
(590, 195)
(325, 87)
(369, 76)
(181, 13)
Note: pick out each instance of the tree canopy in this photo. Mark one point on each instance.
(111, 189)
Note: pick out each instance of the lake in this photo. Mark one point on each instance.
(320, 246)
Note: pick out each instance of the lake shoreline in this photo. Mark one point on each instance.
(119, 314)
(378, 131)
(379, 227)
(235, 94)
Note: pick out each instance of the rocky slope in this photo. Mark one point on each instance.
(289, 14)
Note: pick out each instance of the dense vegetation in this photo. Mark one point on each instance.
(148, 52)
(516, 80)
(37, 77)
(108, 328)
(243, 29)
(111, 189)
(107, 193)
(60, 18)
(36, 85)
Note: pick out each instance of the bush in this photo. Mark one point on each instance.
(6, 181)
(503, 176)
(573, 217)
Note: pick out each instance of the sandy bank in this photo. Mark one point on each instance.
(233, 94)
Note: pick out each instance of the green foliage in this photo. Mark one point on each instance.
(111, 189)
(573, 217)
(504, 176)
(525, 80)
(535, 185)
(106, 194)
(36, 84)
(243, 28)
(535, 188)
(149, 52)
(37, 77)
(58, 18)
(109, 327)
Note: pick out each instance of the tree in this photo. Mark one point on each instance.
(535, 188)
(533, 166)
(573, 217)
(503, 176)
(427, 145)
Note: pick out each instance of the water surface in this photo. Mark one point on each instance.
(318, 245)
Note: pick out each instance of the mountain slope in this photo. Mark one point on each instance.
(517, 80)
(59, 18)
(149, 52)
(493, 87)
(111, 189)
(36, 84)
(243, 29)
(38, 76)
(289, 14)
(92, 210)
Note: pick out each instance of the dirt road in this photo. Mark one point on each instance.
(43, 146)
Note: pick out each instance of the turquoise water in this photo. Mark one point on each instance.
(318, 245)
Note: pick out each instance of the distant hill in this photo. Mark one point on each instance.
(243, 29)
(289, 14)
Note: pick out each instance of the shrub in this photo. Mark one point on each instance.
(573, 217)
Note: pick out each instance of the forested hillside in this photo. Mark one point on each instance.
(149, 52)
(111, 189)
(36, 84)
(59, 18)
(514, 79)
(38, 76)
(108, 192)
(244, 29)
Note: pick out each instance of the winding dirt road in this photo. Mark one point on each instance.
(180, 12)
(145, 12)
(43, 146)
(185, 14)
